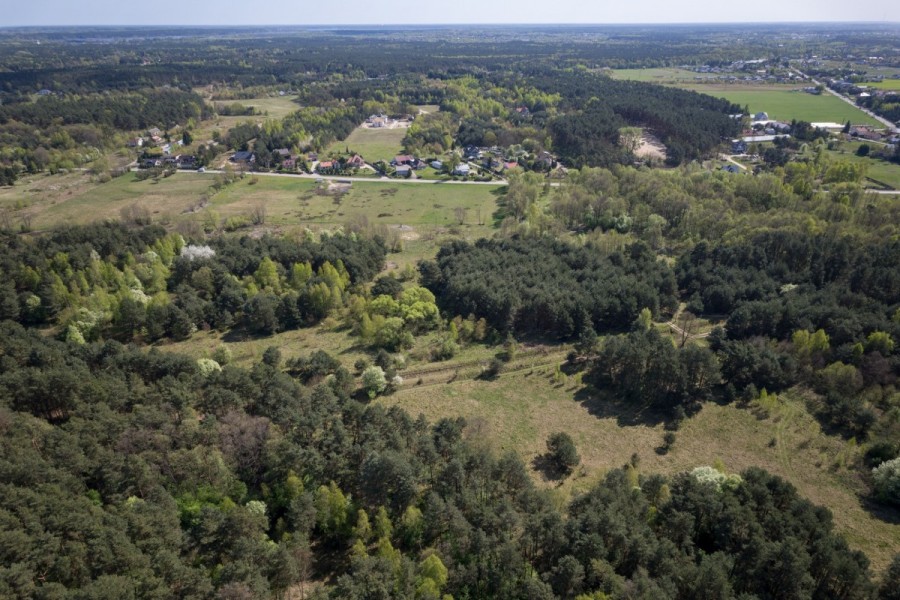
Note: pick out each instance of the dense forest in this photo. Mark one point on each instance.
(133, 474)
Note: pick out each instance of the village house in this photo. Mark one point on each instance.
(402, 159)
(462, 169)
(243, 157)
(325, 165)
(355, 162)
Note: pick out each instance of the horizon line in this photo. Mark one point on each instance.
(469, 24)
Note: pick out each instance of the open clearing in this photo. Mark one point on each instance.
(304, 202)
(49, 200)
(74, 198)
(372, 144)
(789, 442)
(662, 75)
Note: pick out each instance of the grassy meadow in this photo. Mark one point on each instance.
(372, 144)
(519, 410)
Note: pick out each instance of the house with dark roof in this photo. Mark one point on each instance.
(243, 156)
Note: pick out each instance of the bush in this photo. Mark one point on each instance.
(374, 381)
(886, 477)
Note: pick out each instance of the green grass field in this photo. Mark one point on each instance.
(372, 144)
(662, 75)
(290, 201)
(887, 84)
(785, 103)
(782, 102)
(301, 201)
(883, 171)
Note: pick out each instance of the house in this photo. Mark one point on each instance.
(378, 121)
(865, 132)
(154, 132)
(355, 162)
(243, 156)
(136, 142)
(402, 159)
(403, 171)
(289, 163)
(312, 157)
(738, 147)
(283, 152)
(149, 163)
(419, 164)
(461, 169)
(186, 161)
(325, 165)
(507, 165)
(761, 116)
(544, 159)
(437, 165)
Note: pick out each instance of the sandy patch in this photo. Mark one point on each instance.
(650, 147)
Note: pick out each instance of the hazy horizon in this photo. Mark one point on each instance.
(206, 13)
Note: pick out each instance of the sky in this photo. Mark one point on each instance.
(315, 12)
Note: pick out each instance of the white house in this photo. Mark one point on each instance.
(461, 169)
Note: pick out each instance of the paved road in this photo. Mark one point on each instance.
(890, 126)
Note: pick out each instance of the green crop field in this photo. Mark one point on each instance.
(887, 84)
(372, 144)
(786, 103)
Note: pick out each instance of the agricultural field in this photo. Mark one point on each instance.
(372, 144)
(887, 84)
(782, 102)
(786, 103)
(781, 437)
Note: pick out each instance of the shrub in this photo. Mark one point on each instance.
(886, 477)
(374, 380)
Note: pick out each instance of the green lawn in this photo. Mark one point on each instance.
(372, 144)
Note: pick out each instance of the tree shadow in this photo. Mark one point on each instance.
(603, 405)
(549, 470)
(882, 512)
